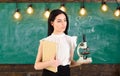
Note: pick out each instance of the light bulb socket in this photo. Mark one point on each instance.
(62, 4)
(118, 8)
(82, 6)
(103, 3)
(30, 5)
(17, 10)
(47, 9)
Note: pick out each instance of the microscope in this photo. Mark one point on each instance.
(83, 51)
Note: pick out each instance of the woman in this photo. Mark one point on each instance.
(57, 32)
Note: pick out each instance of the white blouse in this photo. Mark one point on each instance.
(65, 44)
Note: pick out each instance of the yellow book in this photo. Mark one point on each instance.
(49, 52)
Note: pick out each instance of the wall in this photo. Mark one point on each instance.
(84, 70)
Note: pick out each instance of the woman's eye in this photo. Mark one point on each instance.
(59, 21)
(65, 20)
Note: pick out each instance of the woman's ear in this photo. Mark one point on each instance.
(52, 23)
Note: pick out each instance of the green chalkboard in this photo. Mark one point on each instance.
(19, 40)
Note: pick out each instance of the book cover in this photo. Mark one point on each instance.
(49, 52)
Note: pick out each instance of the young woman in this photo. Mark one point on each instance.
(57, 32)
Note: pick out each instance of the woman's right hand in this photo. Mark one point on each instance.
(54, 62)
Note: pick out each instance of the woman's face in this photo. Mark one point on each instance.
(59, 24)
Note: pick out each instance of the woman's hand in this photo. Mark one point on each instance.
(80, 62)
(54, 62)
(74, 64)
(84, 61)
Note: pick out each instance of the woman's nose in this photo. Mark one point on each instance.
(63, 23)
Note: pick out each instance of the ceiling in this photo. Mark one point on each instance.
(56, 0)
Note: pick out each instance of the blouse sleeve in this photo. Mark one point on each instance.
(73, 42)
(40, 41)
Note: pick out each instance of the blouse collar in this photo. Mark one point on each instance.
(58, 35)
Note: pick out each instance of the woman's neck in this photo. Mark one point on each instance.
(57, 33)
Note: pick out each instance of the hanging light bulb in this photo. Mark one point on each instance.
(117, 12)
(47, 13)
(63, 7)
(30, 9)
(17, 14)
(104, 7)
(83, 11)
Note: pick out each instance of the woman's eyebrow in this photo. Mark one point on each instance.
(61, 19)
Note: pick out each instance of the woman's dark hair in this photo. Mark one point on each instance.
(52, 17)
